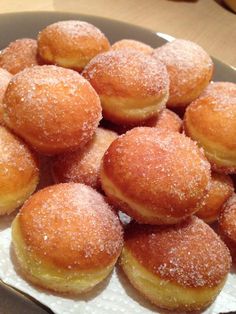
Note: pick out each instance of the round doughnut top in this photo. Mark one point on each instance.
(190, 253)
(18, 55)
(213, 114)
(169, 121)
(127, 73)
(132, 44)
(220, 189)
(83, 165)
(52, 108)
(71, 226)
(70, 39)
(227, 219)
(163, 170)
(17, 163)
(188, 66)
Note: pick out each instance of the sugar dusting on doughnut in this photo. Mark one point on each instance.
(18, 55)
(190, 254)
(129, 72)
(190, 69)
(52, 108)
(65, 220)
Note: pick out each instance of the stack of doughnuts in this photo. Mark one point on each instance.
(62, 96)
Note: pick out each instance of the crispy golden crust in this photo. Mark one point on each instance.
(5, 78)
(189, 254)
(211, 121)
(71, 44)
(132, 86)
(132, 44)
(180, 268)
(83, 165)
(157, 174)
(19, 173)
(168, 120)
(18, 55)
(52, 108)
(190, 70)
(220, 190)
(227, 225)
(70, 226)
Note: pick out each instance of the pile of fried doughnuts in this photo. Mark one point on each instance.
(67, 96)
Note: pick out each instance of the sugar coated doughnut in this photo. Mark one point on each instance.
(67, 238)
(168, 120)
(132, 44)
(133, 87)
(190, 70)
(154, 176)
(83, 165)
(19, 174)
(71, 44)
(20, 54)
(5, 78)
(227, 225)
(220, 190)
(180, 268)
(52, 108)
(211, 121)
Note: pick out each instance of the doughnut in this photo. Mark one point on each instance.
(18, 55)
(169, 121)
(179, 268)
(66, 238)
(227, 225)
(19, 173)
(190, 70)
(211, 121)
(220, 190)
(154, 176)
(83, 165)
(133, 87)
(52, 108)
(71, 44)
(132, 44)
(5, 78)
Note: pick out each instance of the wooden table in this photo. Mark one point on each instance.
(204, 21)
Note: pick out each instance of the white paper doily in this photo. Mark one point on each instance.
(115, 295)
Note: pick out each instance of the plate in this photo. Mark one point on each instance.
(18, 25)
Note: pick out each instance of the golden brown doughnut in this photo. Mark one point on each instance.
(220, 190)
(18, 55)
(180, 268)
(190, 70)
(133, 87)
(5, 77)
(53, 109)
(227, 225)
(132, 44)
(154, 176)
(67, 238)
(71, 44)
(211, 121)
(83, 165)
(19, 173)
(168, 120)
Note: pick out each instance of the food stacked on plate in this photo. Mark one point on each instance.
(68, 95)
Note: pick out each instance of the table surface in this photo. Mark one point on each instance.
(204, 21)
